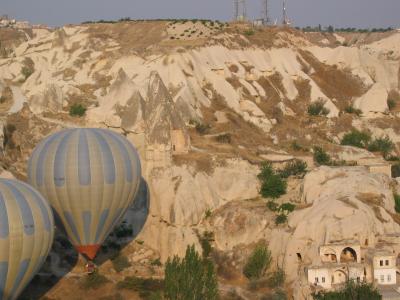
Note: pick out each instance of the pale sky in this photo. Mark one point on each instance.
(340, 13)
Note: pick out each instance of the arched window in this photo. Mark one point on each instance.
(348, 255)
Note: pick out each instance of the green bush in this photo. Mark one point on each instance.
(148, 288)
(202, 128)
(351, 291)
(276, 279)
(249, 32)
(391, 104)
(294, 168)
(205, 241)
(94, 281)
(258, 263)
(272, 206)
(351, 110)
(272, 185)
(190, 278)
(287, 208)
(356, 138)
(120, 263)
(383, 145)
(321, 157)
(26, 72)
(318, 109)
(280, 219)
(77, 110)
(279, 295)
(396, 202)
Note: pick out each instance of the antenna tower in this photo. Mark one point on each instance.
(286, 20)
(265, 12)
(239, 10)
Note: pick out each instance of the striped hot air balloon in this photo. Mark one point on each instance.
(90, 177)
(26, 235)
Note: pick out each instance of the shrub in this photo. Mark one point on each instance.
(205, 241)
(287, 208)
(276, 279)
(148, 288)
(391, 104)
(356, 138)
(156, 262)
(294, 168)
(321, 157)
(208, 214)
(272, 206)
(94, 281)
(272, 185)
(202, 128)
(258, 263)
(397, 202)
(224, 138)
(351, 291)
(190, 278)
(279, 295)
(120, 263)
(280, 219)
(77, 110)
(382, 144)
(249, 32)
(351, 110)
(318, 109)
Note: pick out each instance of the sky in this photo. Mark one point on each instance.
(339, 13)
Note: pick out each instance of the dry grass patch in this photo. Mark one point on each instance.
(371, 198)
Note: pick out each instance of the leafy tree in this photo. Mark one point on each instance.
(120, 263)
(351, 110)
(356, 138)
(321, 157)
(351, 291)
(190, 278)
(272, 206)
(258, 263)
(94, 281)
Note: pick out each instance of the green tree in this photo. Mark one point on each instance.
(77, 110)
(383, 145)
(396, 202)
(258, 263)
(318, 109)
(190, 278)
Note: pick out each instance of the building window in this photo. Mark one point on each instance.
(386, 262)
(316, 279)
(382, 278)
(358, 279)
(323, 279)
(381, 263)
(389, 278)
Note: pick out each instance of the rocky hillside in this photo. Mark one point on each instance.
(206, 103)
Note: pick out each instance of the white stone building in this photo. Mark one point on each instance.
(384, 267)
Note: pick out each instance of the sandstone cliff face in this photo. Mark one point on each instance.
(204, 118)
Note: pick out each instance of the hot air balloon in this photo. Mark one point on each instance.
(26, 235)
(90, 177)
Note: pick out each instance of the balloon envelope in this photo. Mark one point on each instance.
(26, 235)
(90, 177)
